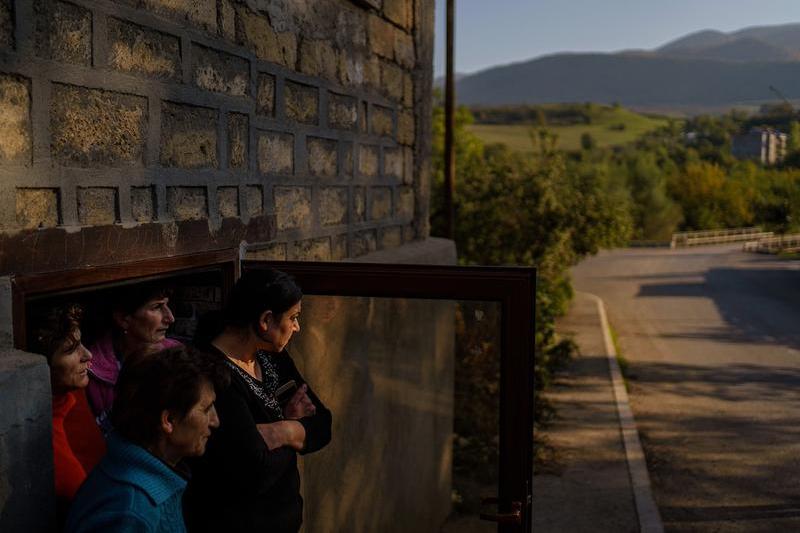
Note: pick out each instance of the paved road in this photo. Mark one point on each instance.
(712, 336)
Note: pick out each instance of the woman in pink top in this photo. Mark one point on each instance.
(140, 319)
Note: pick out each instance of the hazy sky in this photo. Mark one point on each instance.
(496, 32)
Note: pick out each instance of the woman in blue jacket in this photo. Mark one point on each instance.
(163, 411)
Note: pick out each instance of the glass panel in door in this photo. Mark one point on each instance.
(413, 385)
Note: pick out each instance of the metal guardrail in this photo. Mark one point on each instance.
(648, 244)
(696, 238)
(713, 232)
(775, 244)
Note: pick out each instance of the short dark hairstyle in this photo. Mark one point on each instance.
(258, 291)
(129, 298)
(52, 327)
(169, 380)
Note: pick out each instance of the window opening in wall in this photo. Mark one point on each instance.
(196, 283)
(190, 295)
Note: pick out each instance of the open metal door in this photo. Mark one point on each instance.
(399, 353)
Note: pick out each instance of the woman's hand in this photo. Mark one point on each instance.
(300, 405)
(283, 433)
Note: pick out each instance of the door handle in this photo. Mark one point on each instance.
(513, 517)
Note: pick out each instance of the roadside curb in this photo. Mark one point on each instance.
(646, 509)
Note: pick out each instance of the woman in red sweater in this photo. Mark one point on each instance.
(57, 336)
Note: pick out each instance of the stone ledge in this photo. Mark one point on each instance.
(431, 251)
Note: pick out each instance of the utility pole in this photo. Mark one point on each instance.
(449, 126)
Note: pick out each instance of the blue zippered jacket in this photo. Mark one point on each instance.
(129, 491)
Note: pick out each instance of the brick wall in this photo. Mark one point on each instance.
(143, 128)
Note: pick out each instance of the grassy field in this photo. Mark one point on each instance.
(610, 127)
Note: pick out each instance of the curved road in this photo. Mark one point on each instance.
(712, 337)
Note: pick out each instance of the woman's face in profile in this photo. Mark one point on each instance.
(69, 366)
(280, 332)
(190, 433)
(149, 323)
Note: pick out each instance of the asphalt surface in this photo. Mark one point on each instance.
(712, 337)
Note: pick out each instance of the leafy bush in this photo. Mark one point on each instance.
(513, 209)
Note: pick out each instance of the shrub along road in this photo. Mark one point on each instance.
(712, 336)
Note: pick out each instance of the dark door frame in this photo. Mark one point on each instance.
(514, 288)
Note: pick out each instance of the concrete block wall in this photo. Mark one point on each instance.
(134, 129)
(27, 501)
(142, 128)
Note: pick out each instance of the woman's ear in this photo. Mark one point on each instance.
(264, 322)
(166, 422)
(121, 320)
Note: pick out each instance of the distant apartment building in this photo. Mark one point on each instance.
(764, 144)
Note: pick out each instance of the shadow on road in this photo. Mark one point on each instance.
(760, 306)
(732, 383)
(731, 513)
(732, 460)
(723, 456)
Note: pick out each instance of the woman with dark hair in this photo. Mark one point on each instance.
(163, 412)
(140, 318)
(248, 479)
(57, 335)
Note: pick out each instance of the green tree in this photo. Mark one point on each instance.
(527, 210)
(793, 145)
(655, 214)
(587, 141)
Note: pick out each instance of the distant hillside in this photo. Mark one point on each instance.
(608, 126)
(787, 35)
(438, 82)
(629, 80)
(694, 41)
(744, 49)
(763, 43)
(705, 69)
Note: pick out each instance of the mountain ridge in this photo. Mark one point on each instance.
(705, 68)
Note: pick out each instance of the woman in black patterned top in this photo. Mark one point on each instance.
(248, 478)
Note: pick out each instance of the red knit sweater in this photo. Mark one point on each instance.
(77, 446)
(69, 472)
(84, 436)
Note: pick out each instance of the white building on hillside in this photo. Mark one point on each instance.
(765, 144)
